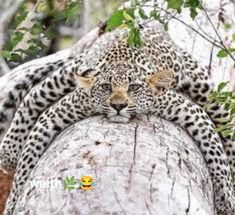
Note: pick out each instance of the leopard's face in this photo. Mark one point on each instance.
(120, 92)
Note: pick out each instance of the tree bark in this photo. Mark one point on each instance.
(147, 166)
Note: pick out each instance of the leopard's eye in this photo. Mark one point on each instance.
(106, 86)
(134, 87)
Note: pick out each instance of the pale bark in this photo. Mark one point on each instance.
(148, 166)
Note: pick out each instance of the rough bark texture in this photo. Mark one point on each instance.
(148, 166)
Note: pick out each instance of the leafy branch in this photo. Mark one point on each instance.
(226, 98)
(42, 25)
(129, 17)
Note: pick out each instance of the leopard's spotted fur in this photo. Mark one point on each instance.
(120, 82)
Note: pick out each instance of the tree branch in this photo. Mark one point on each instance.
(218, 35)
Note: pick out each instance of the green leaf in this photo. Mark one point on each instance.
(175, 4)
(233, 137)
(131, 12)
(142, 14)
(72, 13)
(227, 26)
(227, 106)
(15, 57)
(193, 5)
(231, 50)
(73, 183)
(20, 17)
(36, 29)
(64, 184)
(71, 188)
(226, 133)
(32, 50)
(222, 53)
(131, 37)
(18, 35)
(232, 110)
(193, 13)
(115, 20)
(221, 86)
(226, 93)
(51, 33)
(155, 14)
(71, 179)
(127, 16)
(222, 127)
(134, 38)
(5, 54)
(233, 37)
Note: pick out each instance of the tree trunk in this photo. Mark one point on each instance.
(148, 166)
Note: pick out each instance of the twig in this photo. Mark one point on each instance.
(201, 29)
(187, 25)
(218, 35)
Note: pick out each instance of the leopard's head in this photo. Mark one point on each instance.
(123, 90)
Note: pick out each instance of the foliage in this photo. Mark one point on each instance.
(42, 24)
(225, 52)
(126, 18)
(226, 98)
(129, 16)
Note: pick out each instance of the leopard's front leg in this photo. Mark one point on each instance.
(72, 108)
(194, 120)
(60, 83)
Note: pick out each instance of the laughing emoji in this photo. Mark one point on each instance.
(86, 183)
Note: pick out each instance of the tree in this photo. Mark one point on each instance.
(146, 166)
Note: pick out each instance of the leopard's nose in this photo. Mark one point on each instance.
(118, 106)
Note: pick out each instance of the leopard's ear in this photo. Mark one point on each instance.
(87, 78)
(160, 80)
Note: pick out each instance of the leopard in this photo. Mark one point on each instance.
(120, 82)
(30, 75)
